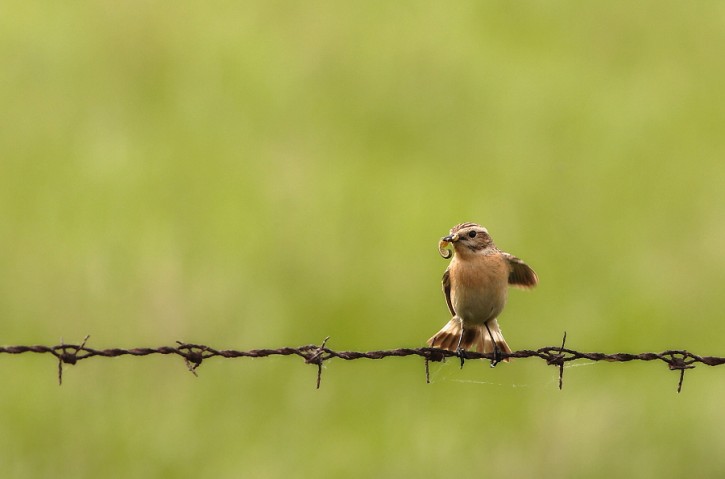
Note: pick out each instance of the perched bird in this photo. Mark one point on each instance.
(476, 286)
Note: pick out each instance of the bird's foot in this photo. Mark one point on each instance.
(496, 356)
(461, 355)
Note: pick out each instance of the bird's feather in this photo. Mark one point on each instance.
(447, 290)
(520, 275)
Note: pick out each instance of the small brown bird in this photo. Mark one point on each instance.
(476, 286)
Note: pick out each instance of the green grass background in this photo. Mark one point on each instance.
(262, 174)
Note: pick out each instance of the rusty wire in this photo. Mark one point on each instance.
(194, 354)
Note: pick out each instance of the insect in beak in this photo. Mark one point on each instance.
(444, 242)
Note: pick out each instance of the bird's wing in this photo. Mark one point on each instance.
(520, 274)
(447, 290)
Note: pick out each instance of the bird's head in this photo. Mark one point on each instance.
(466, 238)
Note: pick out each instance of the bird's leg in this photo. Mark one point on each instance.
(496, 353)
(459, 351)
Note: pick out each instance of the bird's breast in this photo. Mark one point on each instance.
(479, 288)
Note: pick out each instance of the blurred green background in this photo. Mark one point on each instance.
(265, 174)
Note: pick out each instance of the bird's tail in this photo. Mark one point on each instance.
(475, 337)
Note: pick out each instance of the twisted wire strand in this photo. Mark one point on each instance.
(194, 354)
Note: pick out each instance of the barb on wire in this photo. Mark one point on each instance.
(194, 354)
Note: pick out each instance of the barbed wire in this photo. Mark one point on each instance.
(194, 354)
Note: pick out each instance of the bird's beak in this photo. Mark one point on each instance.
(450, 238)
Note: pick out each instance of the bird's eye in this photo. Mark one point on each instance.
(471, 234)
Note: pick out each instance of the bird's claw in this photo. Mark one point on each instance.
(460, 354)
(496, 356)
